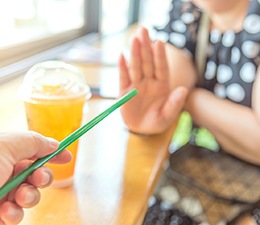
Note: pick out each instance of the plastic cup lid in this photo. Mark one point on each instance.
(53, 80)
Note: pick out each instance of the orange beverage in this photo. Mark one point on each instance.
(54, 108)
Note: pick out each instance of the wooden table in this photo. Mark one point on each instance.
(116, 171)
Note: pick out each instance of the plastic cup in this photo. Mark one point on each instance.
(54, 94)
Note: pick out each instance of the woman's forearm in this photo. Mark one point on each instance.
(235, 127)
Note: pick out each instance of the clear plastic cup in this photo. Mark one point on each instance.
(54, 94)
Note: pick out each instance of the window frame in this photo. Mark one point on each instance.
(17, 59)
(14, 54)
(134, 8)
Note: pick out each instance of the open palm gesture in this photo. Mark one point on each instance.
(156, 106)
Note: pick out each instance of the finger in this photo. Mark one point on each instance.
(44, 173)
(175, 103)
(123, 72)
(41, 177)
(19, 167)
(160, 61)
(27, 196)
(135, 66)
(18, 146)
(147, 53)
(64, 157)
(11, 172)
(10, 213)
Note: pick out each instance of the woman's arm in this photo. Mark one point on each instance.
(182, 71)
(236, 127)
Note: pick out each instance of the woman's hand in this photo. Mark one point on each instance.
(18, 151)
(156, 106)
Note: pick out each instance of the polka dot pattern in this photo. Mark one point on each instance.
(232, 57)
(179, 26)
(235, 55)
(224, 74)
(252, 24)
(235, 92)
(250, 49)
(187, 17)
(220, 90)
(210, 70)
(248, 72)
(178, 39)
(163, 36)
(215, 36)
(228, 38)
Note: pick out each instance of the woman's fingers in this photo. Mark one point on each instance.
(146, 53)
(146, 60)
(175, 103)
(10, 213)
(160, 61)
(135, 64)
(123, 73)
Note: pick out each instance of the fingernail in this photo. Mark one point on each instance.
(13, 212)
(29, 197)
(179, 93)
(176, 95)
(45, 179)
(54, 143)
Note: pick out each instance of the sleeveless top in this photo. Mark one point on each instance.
(232, 57)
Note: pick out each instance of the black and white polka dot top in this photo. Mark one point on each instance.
(232, 58)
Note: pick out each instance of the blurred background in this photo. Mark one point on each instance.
(36, 30)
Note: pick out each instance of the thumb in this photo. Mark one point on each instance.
(17, 146)
(175, 103)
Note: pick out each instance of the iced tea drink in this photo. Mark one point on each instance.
(54, 108)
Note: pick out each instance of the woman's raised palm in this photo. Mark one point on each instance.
(156, 106)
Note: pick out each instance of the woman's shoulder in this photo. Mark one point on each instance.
(181, 25)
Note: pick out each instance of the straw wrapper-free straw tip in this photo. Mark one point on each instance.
(19, 178)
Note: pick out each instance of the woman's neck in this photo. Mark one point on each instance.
(230, 18)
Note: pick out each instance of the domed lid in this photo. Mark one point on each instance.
(53, 80)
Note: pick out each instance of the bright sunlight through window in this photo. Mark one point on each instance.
(27, 20)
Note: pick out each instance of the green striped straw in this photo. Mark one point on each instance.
(19, 178)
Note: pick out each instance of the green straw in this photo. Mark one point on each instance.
(19, 178)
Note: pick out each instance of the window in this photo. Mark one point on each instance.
(32, 27)
(114, 16)
(153, 12)
(34, 19)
